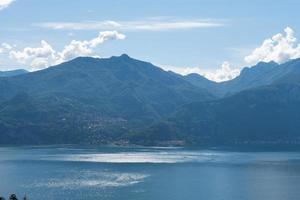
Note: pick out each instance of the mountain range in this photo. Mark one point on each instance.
(89, 100)
(121, 100)
(13, 72)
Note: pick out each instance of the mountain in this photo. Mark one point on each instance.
(266, 114)
(202, 82)
(89, 100)
(12, 72)
(262, 74)
(121, 100)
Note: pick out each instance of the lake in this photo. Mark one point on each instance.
(113, 173)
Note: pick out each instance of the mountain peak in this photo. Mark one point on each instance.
(83, 59)
(260, 67)
(195, 75)
(124, 55)
(267, 63)
(88, 59)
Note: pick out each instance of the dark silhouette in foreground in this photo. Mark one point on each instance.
(14, 197)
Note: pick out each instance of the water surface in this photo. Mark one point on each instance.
(148, 173)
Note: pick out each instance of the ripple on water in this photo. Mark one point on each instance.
(76, 180)
(136, 157)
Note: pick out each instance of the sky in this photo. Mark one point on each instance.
(215, 38)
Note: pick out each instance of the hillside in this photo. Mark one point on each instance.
(89, 98)
(12, 73)
(265, 115)
(262, 74)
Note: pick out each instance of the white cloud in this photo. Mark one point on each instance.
(45, 51)
(5, 3)
(74, 49)
(44, 55)
(85, 48)
(279, 48)
(6, 46)
(40, 63)
(146, 25)
(224, 73)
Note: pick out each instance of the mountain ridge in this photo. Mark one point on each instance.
(261, 74)
(103, 97)
(121, 100)
(13, 73)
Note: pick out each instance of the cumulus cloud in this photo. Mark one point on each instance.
(75, 48)
(45, 55)
(224, 73)
(5, 3)
(279, 48)
(44, 51)
(37, 57)
(144, 25)
(6, 46)
(85, 48)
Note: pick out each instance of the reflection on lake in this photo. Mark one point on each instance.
(148, 173)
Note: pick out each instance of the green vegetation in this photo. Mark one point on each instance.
(89, 100)
(124, 101)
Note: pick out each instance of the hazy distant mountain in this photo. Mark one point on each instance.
(202, 82)
(261, 115)
(265, 115)
(261, 74)
(199, 80)
(12, 72)
(251, 77)
(89, 98)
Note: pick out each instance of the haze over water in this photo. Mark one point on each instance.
(148, 173)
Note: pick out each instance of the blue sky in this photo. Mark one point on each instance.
(184, 36)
